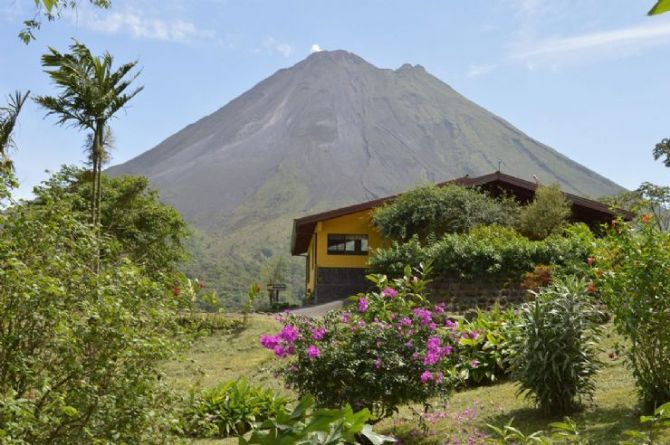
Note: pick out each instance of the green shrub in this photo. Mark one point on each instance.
(230, 409)
(489, 251)
(547, 215)
(80, 350)
(315, 427)
(393, 260)
(430, 210)
(484, 340)
(554, 352)
(631, 271)
(495, 250)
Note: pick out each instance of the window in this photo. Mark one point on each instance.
(347, 244)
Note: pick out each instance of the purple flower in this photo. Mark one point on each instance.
(474, 335)
(289, 333)
(405, 321)
(361, 324)
(318, 333)
(345, 317)
(313, 352)
(378, 363)
(362, 304)
(431, 358)
(439, 377)
(269, 341)
(439, 308)
(474, 364)
(450, 324)
(426, 376)
(424, 315)
(409, 344)
(280, 351)
(432, 326)
(389, 292)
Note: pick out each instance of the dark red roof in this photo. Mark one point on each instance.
(583, 209)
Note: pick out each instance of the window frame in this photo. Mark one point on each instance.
(346, 237)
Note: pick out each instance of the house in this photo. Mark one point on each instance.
(337, 242)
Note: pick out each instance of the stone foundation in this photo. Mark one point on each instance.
(461, 294)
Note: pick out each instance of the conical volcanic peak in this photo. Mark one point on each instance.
(345, 131)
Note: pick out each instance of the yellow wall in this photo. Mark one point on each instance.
(353, 224)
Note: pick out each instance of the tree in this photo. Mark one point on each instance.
(91, 93)
(8, 118)
(547, 214)
(133, 220)
(430, 211)
(649, 199)
(80, 349)
(52, 10)
(662, 149)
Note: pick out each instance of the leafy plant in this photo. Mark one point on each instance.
(631, 273)
(316, 427)
(565, 432)
(547, 215)
(657, 422)
(230, 409)
(79, 349)
(554, 352)
(431, 211)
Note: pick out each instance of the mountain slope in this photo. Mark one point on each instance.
(333, 130)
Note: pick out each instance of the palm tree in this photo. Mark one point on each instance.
(90, 94)
(8, 117)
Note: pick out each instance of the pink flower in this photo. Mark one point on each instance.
(289, 333)
(361, 324)
(269, 341)
(345, 317)
(378, 363)
(389, 292)
(426, 376)
(424, 315)
(405, 321)
(439, 308)
(280, 351)
(313, 352)
(318, 333)
(362, 304)
(474, 364)
(450, 324)
(589, 261)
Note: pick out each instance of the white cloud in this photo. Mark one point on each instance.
(137, 25)
(480, 70)
(615, 42)
(281, 47)
(315, 48)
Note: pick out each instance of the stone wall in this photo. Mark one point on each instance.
(461, 294)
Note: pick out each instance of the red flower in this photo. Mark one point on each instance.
(614, 223)
(201, 284)
(589, 261)
(646, 218)
(176, 291)
(591, 289)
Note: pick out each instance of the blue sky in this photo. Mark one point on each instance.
(592, 81)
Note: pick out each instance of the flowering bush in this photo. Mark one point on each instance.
(632, 272)
(392, 348)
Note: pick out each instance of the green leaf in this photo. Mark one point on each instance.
(660, 7)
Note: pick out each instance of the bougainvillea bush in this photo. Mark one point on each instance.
(392, 348)
(632, 272)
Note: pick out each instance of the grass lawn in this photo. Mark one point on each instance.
(224, 356)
